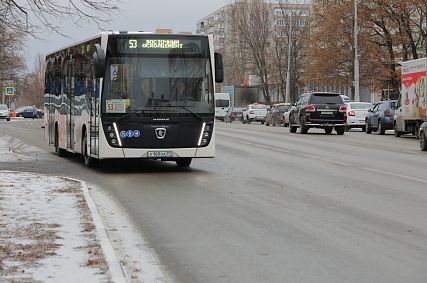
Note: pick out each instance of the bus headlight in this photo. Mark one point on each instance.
(117, 134)
(112, 134)
(205, 134)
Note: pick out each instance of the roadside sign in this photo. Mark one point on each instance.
(9, 90)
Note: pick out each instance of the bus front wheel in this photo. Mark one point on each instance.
(88, 160)
(183, 162)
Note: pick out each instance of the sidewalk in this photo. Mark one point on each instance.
(47, 228)
(47, 232)
(51, 230)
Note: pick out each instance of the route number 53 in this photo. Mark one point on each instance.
(133, 43)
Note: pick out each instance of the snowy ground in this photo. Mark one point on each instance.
(51, 230)
(47, 232)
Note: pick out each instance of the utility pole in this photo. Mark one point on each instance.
(1, 81)
(356, 56)
(288, 73)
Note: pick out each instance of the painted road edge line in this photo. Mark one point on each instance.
(114, 265)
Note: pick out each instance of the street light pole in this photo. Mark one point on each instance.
(288, 72)
(356, 56)
(2, 81)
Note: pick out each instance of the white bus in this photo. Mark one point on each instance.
(222, 105)
(133, 95)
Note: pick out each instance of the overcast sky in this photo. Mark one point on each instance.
(134, 15)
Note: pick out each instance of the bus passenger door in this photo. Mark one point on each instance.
(71, 102)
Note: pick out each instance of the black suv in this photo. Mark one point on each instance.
(323, 110)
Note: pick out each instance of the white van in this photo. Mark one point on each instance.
(222, 104)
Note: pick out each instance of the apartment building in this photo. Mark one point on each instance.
(218, 24)
(221, 25)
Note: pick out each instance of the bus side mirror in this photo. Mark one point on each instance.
(219, 68)
(99, 61)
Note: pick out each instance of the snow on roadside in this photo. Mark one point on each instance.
(12, 150)
(46, 231)
(138, 258)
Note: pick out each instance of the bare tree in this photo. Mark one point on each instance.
(30, 87)
(252, 21)
(11, 61)
(30, 16)
(235, 57)
(290, 30)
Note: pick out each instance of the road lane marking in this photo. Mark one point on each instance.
(395, 175)
(338, 163)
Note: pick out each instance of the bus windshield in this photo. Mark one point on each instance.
(162, 84)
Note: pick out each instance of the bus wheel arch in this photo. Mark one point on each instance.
(87, 159)
(59, 151)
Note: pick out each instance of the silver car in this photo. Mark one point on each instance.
(4, 112)
(356, 114)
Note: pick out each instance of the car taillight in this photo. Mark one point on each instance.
(387, 113)
(343, 108)
(351, 113)
(310, 108)
(232, 114)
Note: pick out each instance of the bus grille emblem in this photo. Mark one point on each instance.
(160, 133)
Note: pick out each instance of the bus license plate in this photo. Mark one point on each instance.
(159, 154)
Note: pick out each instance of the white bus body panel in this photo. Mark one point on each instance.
(107, 152)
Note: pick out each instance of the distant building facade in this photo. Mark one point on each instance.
(220, 24)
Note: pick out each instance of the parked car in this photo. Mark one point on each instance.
(286, 115)
(323, 110)
(275, 114)
(28, 112)
(380, 117)
(4, 112)
(233, 114)
(423, 136)
(345, 98)
(356, 115)
(254, 112)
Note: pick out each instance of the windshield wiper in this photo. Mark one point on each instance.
(118, 119)
(185, 108)
(191, 112)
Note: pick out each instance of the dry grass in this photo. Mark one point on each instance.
(93, 248)
(26, 242)
(43, 244)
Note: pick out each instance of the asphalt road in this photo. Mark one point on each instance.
(272, 206)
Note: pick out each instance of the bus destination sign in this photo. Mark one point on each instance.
(155, 43)
(161, 45)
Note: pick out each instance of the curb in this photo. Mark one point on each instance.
(114, 265)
